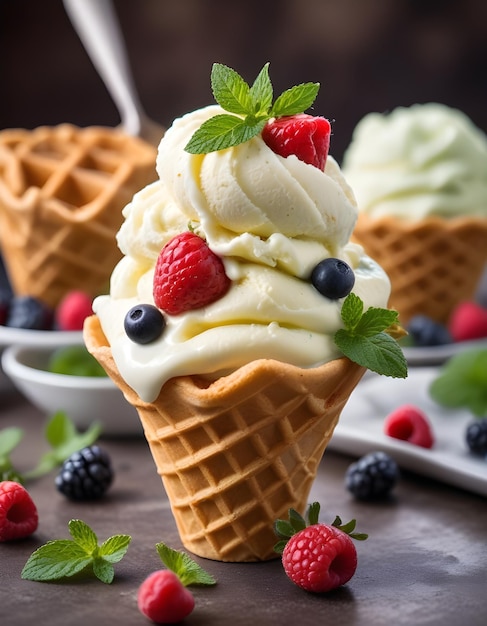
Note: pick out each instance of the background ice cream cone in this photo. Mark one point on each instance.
(236, 454)
(433, 264)
(62, 191)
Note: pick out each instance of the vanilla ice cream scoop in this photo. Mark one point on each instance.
(271, 220)
(417, 162)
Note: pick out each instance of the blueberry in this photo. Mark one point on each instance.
(333, 278)
(86, 474)
(372, 477)
(29, 313)
(424, 331)
(144, 323)
(476, 437)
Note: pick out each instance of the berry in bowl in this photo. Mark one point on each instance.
(68, 379)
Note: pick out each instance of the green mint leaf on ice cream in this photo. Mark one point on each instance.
(249, 108)
(365, 341)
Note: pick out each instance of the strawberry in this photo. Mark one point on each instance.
(410, 424)
(305, 136)
(18, 513)
(164, 599)
(72, 310)
(317, 557)
(188, 275)
(468, 321)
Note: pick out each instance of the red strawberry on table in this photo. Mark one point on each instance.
(305, 136)
(188, 275)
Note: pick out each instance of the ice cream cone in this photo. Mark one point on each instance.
(62, 191)
(234, 455)
(433, 264)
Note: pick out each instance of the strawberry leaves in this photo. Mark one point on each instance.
(249, 108)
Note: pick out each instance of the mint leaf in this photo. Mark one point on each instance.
(295, 100)
(462, 383)
(64, 438)
(364, 340)
(230, 90)
(221, 132)
(188, 571)
(56, 559)
(261, 91)
(250, 108)
(65, 557)
(83, 535)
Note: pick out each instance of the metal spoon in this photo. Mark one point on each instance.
(96, 24)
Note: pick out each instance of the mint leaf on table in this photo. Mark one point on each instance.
(462, 383)
(188, 571)
(249, 108)
(365, 340)
(63, 558)
(64, 439)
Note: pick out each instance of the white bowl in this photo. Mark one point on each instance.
(84, 399)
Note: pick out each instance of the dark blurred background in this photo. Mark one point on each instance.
(368, 55)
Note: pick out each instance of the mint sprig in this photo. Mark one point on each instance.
(365, 341)
(462, 383)
(63, 558)
(188, 571)
(249, 108)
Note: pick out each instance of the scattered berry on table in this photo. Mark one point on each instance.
(317, 557)
(18, 513)
(410, 424)
(425, 331)
(305, 136)
(333, 278)
(29, 313)
(468, 321)
(144, 323)
(164, 599)
(72, 311)
(86, 474)
(476, 437)
(372, 477)
(188, 275)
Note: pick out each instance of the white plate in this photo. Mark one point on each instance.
(21, 337)
(360, 430)
(436, 355)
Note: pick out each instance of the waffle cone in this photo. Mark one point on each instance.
(433, 265)
(62, 191)
(236, 454)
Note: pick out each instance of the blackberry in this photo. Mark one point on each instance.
(372, 477)
(85, 475)
(476, 437)
(424, 331)
(5, 301)
(29, 313)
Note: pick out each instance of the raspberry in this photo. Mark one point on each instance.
(476, 437)
(372, 477)
(305, 136)
(18, 513)
(409, 424)
(426, 332)
(320, 558)
(468, 321)
(72, 310)
(29, 313)
(164, 599)
(85, 475)
(188, 275)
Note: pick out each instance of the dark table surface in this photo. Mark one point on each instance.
(425, 561)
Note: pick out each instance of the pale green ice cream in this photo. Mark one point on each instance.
(417, 162)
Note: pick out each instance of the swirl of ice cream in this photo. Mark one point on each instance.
(271, 220)
(416, 162)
